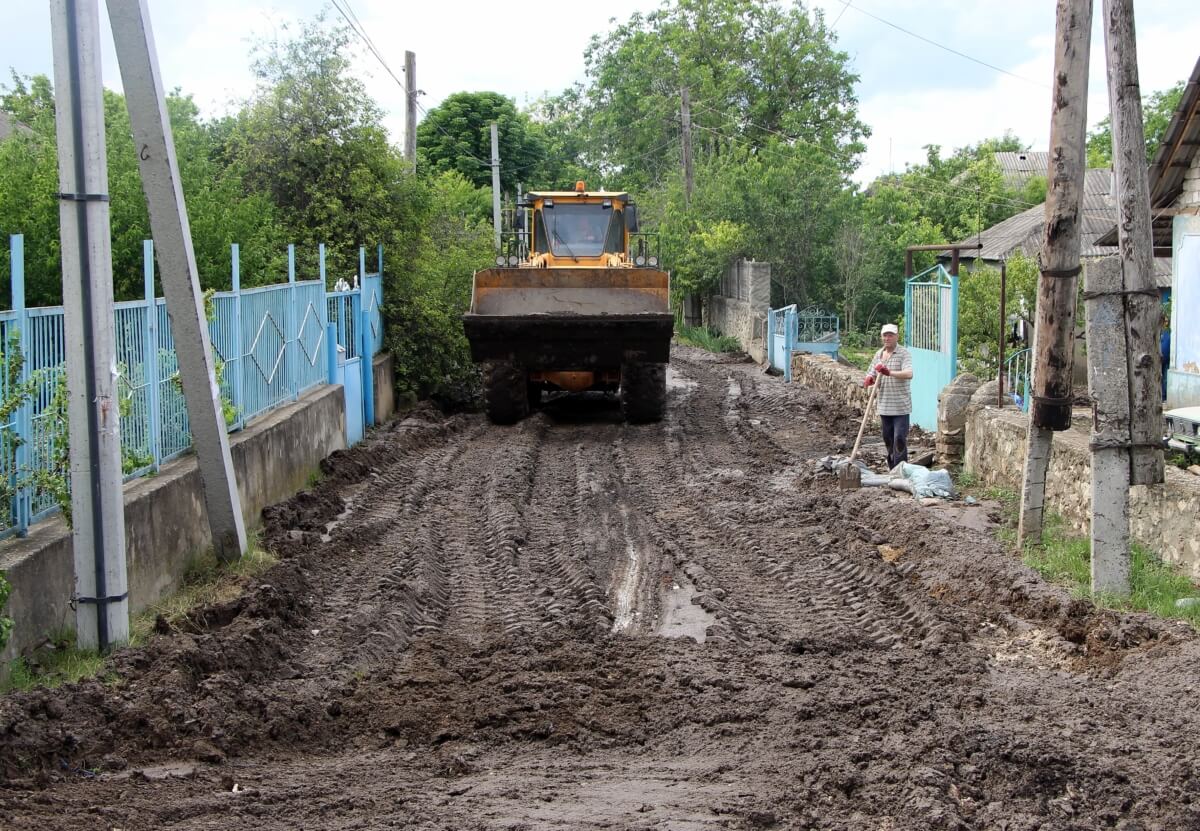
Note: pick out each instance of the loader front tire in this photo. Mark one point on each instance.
(643, 392)
(505, 392)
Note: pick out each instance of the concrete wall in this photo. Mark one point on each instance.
(740, 308)
(385, 387)
(166, 523)
(1162, 517)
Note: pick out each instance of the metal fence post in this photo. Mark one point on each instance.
(331, 348)
(362, 266)
(289, 351)
(239, 356)
(24, 419)
(150, 356)
(368, 366)
(953, 325)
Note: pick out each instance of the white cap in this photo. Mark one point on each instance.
(889, 327)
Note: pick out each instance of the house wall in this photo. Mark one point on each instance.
(1191, 185)
(740, 307)
(1183, 373)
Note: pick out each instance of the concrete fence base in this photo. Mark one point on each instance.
(166, 525)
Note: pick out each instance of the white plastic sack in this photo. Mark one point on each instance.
(928, 482)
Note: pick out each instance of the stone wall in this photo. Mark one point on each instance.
(740, 308)
(840, 382)
(1162, 517)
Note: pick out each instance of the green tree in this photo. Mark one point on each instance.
(456, 136)
(756, 71)
(219, 210)
(312, 141)
(979, 309)
(1157, 110)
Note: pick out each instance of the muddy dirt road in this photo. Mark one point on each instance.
(574, 623)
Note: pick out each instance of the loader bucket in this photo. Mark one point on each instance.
(570, 318)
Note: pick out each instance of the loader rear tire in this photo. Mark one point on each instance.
(505, 392)
(643, 392)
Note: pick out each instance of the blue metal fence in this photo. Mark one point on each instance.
(271, 344)
(791, 330)
(931, 335)
(1018, 375)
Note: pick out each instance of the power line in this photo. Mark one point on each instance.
(354, 26)
(942, 46)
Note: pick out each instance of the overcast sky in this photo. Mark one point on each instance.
(911, 92)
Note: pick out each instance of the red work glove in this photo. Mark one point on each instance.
(868, 381)
(882, 369)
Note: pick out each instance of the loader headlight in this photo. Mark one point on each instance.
(654, 262)
(500, 260)
(639, 260)
(513, 259)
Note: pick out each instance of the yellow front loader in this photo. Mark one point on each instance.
(576, 303)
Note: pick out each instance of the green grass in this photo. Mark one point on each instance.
(1065, 558)
(859, 356)
(58, 662)
(705, 339)
(207, 582)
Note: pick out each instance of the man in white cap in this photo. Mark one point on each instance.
(892, 369)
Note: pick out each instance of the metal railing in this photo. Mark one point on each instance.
(1018, 377)
(270, 345)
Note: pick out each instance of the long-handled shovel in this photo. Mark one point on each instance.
(850, 477)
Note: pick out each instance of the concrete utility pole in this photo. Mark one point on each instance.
(496, 182)
(97, 500)
(1054, 334)
(410, 109)
(144, 97)
(1108, 383)
(686, 120)
(1143, 309)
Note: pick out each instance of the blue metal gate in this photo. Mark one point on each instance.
(931, 335)
(790, 330)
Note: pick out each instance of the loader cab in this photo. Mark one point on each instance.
(578, 228)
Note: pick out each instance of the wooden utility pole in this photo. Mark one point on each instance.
(496, 182)
(1108, 383)
(146, 102)
(94, 423)
(1054, 333)
(1143, 309)
(410, 109)
(686, 120)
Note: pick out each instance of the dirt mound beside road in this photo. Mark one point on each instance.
(575, 623)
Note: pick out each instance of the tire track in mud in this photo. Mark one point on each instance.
(825, 595)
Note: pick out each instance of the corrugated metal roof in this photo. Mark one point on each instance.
(1023, 232)
(9, 125)
(1023, 164)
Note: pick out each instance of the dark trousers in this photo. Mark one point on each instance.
(895, 437)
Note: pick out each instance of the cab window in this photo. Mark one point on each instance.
(615, 244)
